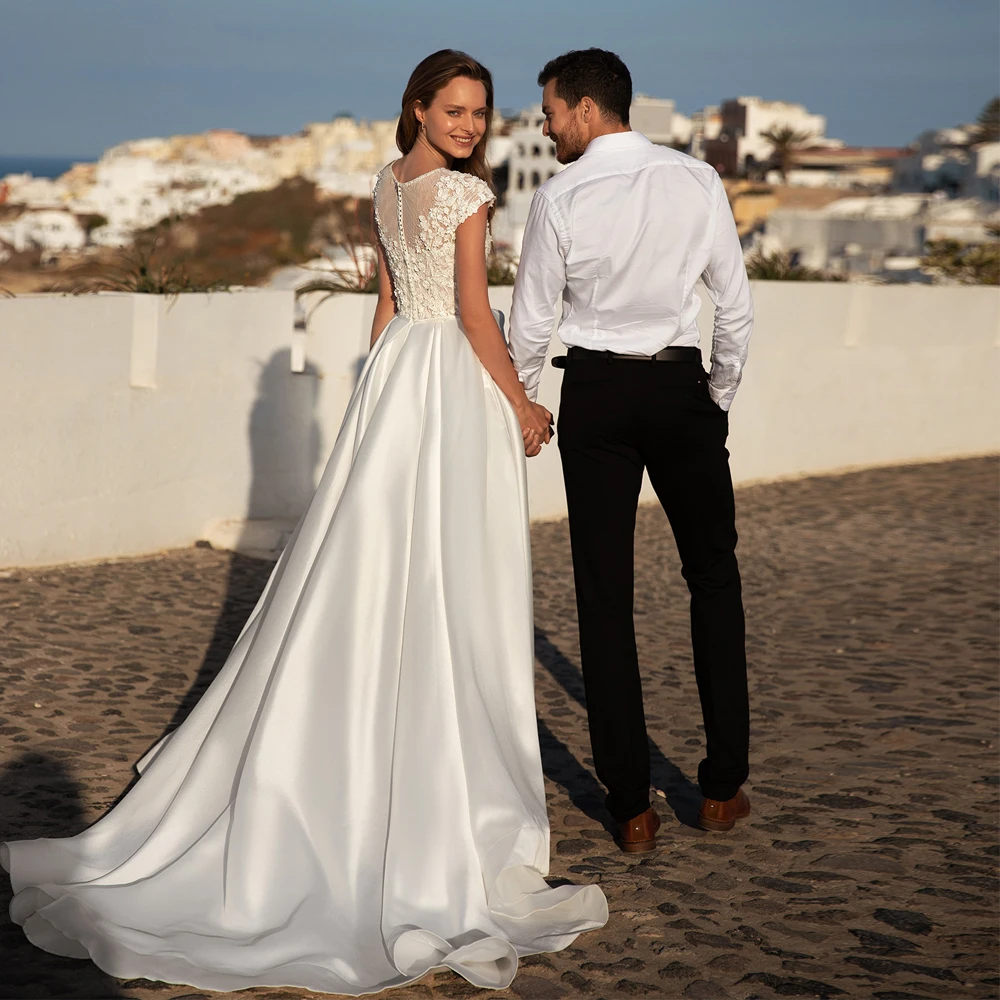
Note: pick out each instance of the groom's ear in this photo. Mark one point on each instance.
(588, 110)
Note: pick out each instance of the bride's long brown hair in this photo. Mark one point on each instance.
(431, 74)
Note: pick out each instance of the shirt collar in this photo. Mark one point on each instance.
(616, 140)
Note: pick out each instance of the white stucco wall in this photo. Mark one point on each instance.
(120, 438)
(130, 424)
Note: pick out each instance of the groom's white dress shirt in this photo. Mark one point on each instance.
(622, 235)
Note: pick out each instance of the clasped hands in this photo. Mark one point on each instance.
(536, 426)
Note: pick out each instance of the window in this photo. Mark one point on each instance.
(552, 173)
(552, 150)
(520, 180)
(536, 150)
(536, 178)
(520, 149)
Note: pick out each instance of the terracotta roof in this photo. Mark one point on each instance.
(855, 152)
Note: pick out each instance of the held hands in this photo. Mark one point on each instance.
(536, 426)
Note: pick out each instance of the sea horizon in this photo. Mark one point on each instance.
(40, 166)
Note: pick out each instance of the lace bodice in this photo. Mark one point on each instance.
(416, 222)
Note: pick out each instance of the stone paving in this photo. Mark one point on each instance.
(869, 865)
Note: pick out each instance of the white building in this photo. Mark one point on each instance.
(530, 163)
(654, 118)
(47, 229)
(743, 120)
(498, 150)
(683, 131)
(983, 178)
(33, 192)
(134, 190)
(950, 160)
(706, 125)
(939, 161)
(345, 154)
(855, 236)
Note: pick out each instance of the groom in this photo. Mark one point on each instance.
(622, 235)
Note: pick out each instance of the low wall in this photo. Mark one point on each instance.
(134, 423)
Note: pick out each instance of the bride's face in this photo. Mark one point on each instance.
(455, 122)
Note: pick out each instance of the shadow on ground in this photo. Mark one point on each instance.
(246, 580)
(587, 795)
(39, 798)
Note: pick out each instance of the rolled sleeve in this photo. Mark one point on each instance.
(727, 284)
(541, 278)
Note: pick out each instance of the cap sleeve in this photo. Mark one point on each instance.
(467, 194)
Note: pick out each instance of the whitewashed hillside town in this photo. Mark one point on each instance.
(849, 210)
(139, 183)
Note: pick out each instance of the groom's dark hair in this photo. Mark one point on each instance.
(594, 73)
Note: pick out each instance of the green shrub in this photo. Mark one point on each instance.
(963, 263)
(501, 267)
(777, 266)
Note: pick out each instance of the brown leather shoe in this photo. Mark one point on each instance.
(638, 835)
(716, 815)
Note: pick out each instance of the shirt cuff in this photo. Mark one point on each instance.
(723, 390)
(530, 380)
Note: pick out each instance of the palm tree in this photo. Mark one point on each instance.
(988, 122)
(784, 142)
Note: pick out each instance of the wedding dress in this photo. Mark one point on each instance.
(358, 796)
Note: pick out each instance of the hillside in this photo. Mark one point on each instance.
(236, 244)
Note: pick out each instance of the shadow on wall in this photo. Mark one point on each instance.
(285, 443)
(285, 440)
(40, 798)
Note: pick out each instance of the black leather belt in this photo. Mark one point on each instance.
(688, 354)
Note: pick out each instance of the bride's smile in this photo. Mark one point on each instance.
(455, 121)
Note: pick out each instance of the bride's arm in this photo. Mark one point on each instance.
(480, 325)
(386, 306)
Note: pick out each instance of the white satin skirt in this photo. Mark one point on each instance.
(358, 796)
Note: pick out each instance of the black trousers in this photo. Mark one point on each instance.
(615, 419)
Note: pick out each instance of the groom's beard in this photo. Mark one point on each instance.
(570, 145)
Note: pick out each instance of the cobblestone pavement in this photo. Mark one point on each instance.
(869, 865)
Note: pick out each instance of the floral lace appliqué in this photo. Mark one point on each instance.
(416, 223)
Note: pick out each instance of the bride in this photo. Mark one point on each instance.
(358, 796)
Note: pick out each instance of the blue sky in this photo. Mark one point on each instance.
(79, 75)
